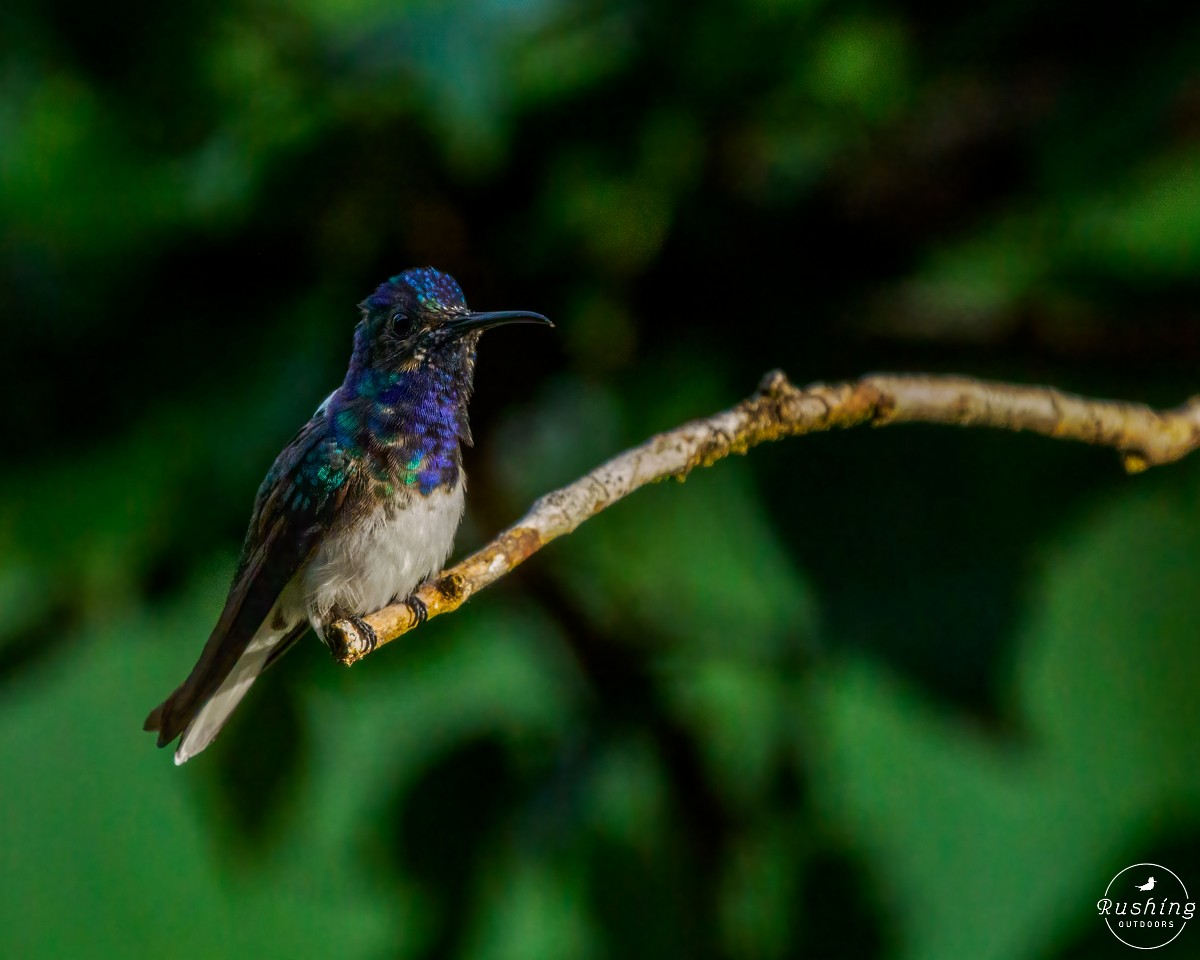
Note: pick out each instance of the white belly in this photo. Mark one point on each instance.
(382, 558)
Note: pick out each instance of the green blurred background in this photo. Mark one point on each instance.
(916, 693)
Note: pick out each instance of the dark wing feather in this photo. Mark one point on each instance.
(294, 504)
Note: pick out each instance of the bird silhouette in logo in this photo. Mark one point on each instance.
(1148, 885)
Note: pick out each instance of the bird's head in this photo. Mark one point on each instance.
(421, 317)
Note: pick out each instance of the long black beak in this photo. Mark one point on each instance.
(495, 318)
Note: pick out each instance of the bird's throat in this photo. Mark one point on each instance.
(408, 427)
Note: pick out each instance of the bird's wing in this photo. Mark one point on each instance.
(302, 491)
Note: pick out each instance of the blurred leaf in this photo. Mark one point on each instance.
(95, 819)
(861, 64)
(535, 912)
(1027, 831)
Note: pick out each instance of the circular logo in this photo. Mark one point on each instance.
(1146, 906)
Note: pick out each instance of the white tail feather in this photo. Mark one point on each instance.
(212, 716)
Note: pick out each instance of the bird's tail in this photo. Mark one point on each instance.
(266, 647)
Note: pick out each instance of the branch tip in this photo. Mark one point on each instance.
(344, 642)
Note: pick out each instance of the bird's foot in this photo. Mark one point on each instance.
(366, 633)
(420, 612)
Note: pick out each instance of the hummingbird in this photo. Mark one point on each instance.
(359, 508)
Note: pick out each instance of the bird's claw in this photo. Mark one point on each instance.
(420, 612)
(366, 634)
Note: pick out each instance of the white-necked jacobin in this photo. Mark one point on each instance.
(359, 508)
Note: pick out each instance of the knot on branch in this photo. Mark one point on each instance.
(774, 385)
(451, 587)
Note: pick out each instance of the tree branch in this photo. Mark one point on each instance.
(1142, 436)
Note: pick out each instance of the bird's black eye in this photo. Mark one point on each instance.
(399, 319)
